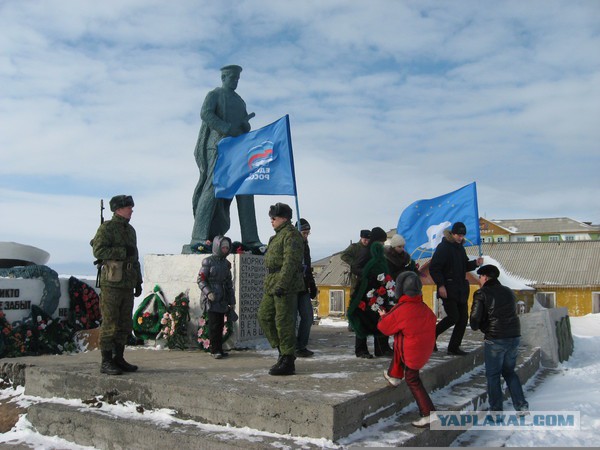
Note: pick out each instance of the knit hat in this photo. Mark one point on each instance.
(120, 201)
(280, 210)
(459, 228)
(304, 225)
(489, 270)
(408, 283)
(397, 240)
(365, 234)
(378, 235)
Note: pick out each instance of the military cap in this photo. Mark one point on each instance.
(280, 210)
(231, 68)
(365, 234)
(121, 201)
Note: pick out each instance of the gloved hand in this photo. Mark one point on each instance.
(211, 297)
(279, 292)
(138, 291)
(130, 250)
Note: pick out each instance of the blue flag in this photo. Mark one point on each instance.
(423, 223)
(259, 162)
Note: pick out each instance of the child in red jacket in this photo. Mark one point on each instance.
(413, 325)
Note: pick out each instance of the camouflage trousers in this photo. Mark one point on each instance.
(277, 318)
(116, 307)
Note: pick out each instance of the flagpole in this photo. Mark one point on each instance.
(289, 138)
(477, 216)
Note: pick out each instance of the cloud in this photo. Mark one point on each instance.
(389, 103)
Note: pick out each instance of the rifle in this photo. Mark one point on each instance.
(98, 262)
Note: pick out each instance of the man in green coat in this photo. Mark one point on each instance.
(115, 245)
(351, 253)
(278, 309)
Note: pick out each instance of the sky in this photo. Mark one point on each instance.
(389, 103)
(575, 379)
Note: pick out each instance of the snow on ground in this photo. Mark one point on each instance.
(573, 386)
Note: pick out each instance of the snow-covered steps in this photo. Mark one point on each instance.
(332, 397)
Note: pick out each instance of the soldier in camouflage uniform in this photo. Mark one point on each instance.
(115, 244)
(279, 306)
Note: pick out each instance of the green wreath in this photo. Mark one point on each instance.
(146, 320)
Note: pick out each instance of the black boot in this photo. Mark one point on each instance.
(108, 366)
(120, 361)
(278, 359)
(285, 367)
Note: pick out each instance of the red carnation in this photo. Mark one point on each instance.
(362, 306)
(381, 290)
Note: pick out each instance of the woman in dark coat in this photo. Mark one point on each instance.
(370, 265)
(398, 260)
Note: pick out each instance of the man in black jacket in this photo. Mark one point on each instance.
(494, 312)
(449, 266)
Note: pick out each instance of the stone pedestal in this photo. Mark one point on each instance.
(178, 273)
(550, 330)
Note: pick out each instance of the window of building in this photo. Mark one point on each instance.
(537, 239)
(521, 239)
(569, 237)
(554, 238)
(546, 299)
(336, 302)
(499, 239)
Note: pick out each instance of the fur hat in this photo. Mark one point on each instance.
(489, 270)
(304, 225)
(378, 235)
(397, 240)
(280, 210)
(365, 234)
(121, 201)
(459, 228)
(408, 283)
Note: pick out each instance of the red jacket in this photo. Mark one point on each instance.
(413, 325)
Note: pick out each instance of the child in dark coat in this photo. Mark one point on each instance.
(217, 294)
(413, 325)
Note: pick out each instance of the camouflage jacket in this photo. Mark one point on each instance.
(283, 260)
(114, 239)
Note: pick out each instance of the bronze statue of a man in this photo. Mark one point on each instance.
(223, 114)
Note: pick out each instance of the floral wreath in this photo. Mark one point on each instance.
(203, 337)
(382, 296)
(174, 322)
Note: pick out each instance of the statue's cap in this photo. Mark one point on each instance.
(231, 68)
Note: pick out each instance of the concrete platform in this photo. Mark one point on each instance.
(332, 395)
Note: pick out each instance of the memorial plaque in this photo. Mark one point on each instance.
(17, 296)
(249, 277)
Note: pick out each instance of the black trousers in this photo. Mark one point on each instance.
(457, 314)
(216, 321)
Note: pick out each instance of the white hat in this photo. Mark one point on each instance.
(397, 240)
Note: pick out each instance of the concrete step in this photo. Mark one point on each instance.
(332, 395)
(465, 393)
